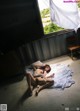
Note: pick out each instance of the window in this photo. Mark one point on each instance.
(66, 21)
(48, 26)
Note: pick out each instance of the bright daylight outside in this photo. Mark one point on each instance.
(48, 25)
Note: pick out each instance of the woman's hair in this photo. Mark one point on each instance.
(46, 65)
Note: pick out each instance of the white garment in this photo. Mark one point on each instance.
(65, 14)
(63, 76)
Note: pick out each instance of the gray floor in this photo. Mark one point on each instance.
(15, 95)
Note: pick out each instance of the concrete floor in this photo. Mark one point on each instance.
(15, 94)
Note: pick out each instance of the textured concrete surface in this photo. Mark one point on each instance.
(15, 94)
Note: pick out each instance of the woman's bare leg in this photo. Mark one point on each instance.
(48, 84)
(30, 80)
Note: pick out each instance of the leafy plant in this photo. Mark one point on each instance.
(51, 28)
(79, 4)
(45, 12)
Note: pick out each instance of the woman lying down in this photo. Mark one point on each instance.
(36, 77)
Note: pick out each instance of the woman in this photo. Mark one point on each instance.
(37, 78)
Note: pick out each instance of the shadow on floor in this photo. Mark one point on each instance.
(25, 96)
(10, 80)
(21, 101)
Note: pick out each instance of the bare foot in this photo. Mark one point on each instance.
(36, 94)
(37, 91)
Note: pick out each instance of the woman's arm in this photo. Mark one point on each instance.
(51, 76)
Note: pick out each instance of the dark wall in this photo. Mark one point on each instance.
(20, 23)
(10, 65)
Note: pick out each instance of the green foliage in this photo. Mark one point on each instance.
(79, 4)
(45, 12)
(48, 21)
(51, 28)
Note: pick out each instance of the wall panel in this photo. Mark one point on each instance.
(46, 48)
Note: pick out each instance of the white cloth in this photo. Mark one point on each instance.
(63, 76)
(65, 14)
